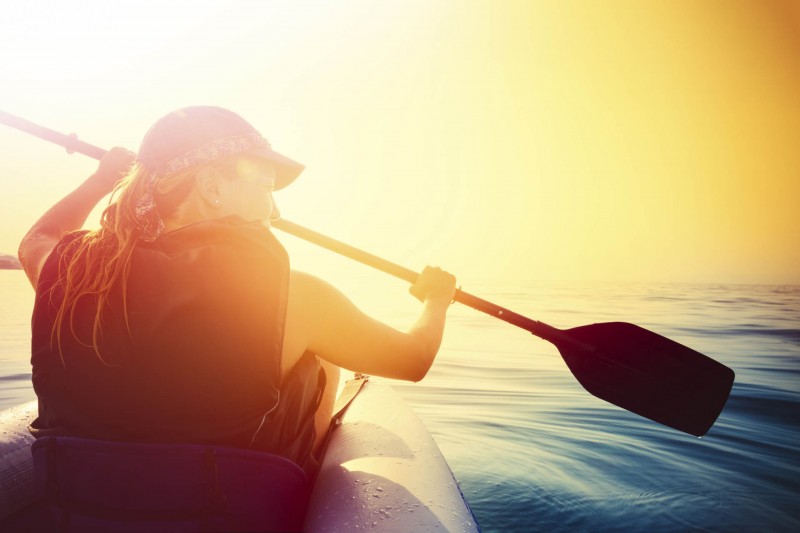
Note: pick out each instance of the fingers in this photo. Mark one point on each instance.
(434, 284)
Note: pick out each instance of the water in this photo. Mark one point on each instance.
(534, 452)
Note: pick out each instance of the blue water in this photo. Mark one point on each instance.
(533, 451)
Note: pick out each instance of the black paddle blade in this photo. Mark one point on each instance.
(648, 374)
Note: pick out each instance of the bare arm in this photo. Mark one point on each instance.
(70, 212)
(323, 320)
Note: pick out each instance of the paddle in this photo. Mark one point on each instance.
(621, 363)
(618, 362)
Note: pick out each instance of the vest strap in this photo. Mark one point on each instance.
(351, 389)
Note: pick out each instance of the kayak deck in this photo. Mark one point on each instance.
(383, 471)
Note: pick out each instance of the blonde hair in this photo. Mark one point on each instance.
(93, 264)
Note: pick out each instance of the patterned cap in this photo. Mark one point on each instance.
(195, 135)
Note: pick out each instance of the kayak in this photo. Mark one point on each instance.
(381, 471)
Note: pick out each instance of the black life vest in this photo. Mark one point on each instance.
(199, 360)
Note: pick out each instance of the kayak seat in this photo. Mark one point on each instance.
(90, 485)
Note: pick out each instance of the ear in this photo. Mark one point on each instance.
(207, 185)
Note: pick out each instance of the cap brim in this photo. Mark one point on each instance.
(286, 169)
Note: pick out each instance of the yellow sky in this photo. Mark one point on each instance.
(513, 141)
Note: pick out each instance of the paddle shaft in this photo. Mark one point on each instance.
(70, 142)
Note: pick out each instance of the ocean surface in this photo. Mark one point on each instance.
(533, 451)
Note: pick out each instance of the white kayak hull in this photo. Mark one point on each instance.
(381, 471)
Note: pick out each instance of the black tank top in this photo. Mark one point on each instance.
(200, 358)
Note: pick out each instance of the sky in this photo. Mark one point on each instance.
(507, 141)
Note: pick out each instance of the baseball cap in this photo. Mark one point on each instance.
(199, 134)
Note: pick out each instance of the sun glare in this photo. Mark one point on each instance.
(502, 140)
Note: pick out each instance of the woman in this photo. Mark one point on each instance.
(179, 320)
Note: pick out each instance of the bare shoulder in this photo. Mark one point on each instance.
(307, 289)
(302, 281)
(314, 314)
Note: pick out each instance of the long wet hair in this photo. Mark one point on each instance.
(93, 264)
